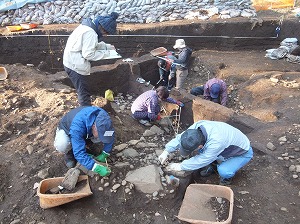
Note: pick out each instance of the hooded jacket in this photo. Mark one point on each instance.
(82, 47)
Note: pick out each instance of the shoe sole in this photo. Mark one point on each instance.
(207, 174)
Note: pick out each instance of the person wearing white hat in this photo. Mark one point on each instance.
(183, 58)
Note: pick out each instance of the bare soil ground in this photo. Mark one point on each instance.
(265, 190)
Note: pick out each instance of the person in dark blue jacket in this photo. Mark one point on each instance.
(82, 124)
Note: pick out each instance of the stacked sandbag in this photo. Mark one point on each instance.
(288, 49)
(131, 11)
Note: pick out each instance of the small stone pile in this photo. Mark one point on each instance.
(290, 156)
(136, 11)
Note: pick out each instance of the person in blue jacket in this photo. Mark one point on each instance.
(77, 127)
(211, 142)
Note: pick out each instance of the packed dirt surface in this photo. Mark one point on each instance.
(265, 191)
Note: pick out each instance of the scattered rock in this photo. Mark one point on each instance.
(29, 149)
(271, 146)
(43, 173)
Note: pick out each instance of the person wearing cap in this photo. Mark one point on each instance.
(76, 129)
(214, 90)
(210, 142)
(146, 107)
(181, 64)
(85, 45)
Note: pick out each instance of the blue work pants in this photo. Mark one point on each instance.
(230, 166)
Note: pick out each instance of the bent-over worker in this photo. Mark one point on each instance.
(146, 107)
(79, 126)
(214, 90)
(166, 69)
(211, 141)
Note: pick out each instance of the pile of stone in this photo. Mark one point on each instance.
(136, 11)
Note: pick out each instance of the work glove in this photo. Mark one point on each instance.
(158, 117)
(163, 157)
(174, 167)
(102, 157)
(180, 103)
(101, 170)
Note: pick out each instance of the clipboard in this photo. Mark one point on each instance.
(112, 55)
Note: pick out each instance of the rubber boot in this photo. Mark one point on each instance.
(70, 159)
(225, 181)
(207, 171)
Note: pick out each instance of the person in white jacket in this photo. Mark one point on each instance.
(83, 46)
(210, 142)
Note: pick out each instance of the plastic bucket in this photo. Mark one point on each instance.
(3, 73)
(194, 208)
(13, 28)
(53, 200)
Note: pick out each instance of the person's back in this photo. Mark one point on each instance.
(224, 136)
(143, 101)
(146, 107)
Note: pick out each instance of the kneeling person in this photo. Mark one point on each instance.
(77, 127)
(146, 107)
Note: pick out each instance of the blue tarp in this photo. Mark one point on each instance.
(16, 4)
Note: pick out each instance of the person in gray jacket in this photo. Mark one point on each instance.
(82, 47)
(212, 142)
(181, 63)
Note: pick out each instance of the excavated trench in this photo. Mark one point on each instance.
(43, 48)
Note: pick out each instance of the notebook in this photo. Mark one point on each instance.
(112, 54)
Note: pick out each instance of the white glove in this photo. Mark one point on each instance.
(163, 157)
(174, 167)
